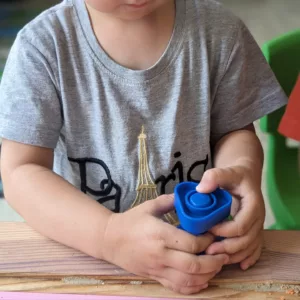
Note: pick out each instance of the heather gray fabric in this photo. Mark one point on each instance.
(61, 90)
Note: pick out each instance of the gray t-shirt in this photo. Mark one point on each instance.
(125, 136)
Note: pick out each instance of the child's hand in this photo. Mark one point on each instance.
(244, 233)
(143, 244)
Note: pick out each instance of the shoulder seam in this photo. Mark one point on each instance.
(46, 60)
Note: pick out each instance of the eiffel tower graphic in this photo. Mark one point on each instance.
(146, 188)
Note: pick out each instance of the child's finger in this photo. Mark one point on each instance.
(185, 280)
(242, 255)
(193, 264)
(178, 239)
(178, 289)
(252, 259)
(159, 206)
(227, 178)
(236, 244)
(242, 222)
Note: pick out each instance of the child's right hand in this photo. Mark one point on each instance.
(138, 241)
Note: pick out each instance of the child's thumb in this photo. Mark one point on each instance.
(161, 205)
(209, 181)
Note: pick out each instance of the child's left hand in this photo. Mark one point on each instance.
(244, 234)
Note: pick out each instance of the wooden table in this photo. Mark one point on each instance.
(30, 262)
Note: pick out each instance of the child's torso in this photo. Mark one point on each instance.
(118, 138)
(129, 136)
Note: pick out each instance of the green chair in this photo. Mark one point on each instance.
(283, 177)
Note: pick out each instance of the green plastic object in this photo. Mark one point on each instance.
(282, 172)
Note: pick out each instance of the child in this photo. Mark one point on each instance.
(123, 99)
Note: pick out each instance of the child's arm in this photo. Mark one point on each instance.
(238, 161)
(135, 240)
(47, 202)
(246, 92)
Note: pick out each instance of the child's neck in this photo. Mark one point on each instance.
(137, 44)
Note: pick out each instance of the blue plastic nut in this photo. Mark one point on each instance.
(197, 213)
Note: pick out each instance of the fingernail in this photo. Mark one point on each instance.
(245, 267)
(198, 188)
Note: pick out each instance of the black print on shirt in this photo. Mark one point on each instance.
(110, 191)
(107, 185)
(178, 168)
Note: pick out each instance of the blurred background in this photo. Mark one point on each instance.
(266, 19)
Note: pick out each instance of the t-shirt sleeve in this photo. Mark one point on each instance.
(290, 123)
(30, 109)
(248, 89)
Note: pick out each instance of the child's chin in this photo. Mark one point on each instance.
(131, 14)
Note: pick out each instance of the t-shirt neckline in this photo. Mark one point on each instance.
(136, 75)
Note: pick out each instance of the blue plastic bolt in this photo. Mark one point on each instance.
(197, 213)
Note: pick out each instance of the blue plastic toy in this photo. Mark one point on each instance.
(197, 213)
